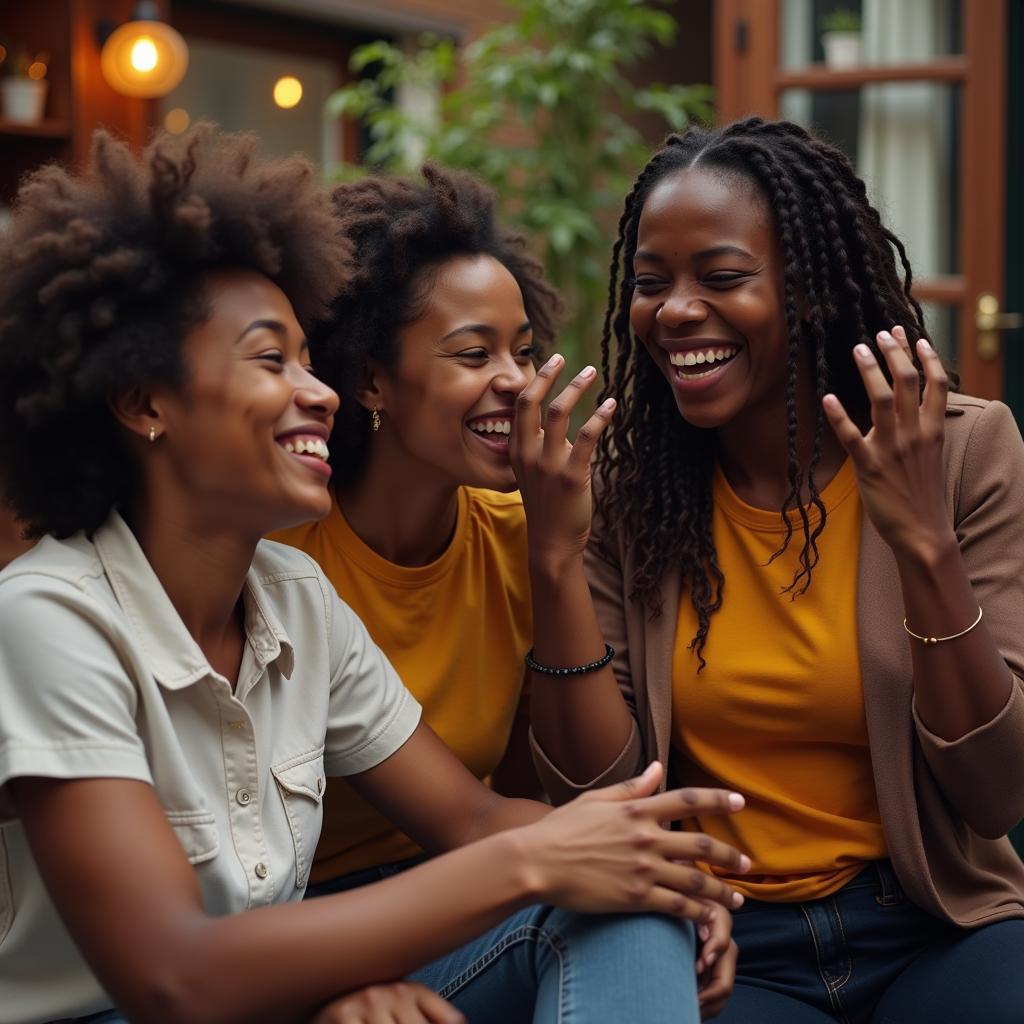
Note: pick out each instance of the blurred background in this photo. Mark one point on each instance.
(558, 102)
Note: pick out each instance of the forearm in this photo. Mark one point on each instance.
(279, 963)
(960, 684)
(581, 722)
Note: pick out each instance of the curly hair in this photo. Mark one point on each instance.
(839, 261)
(402, 230)
(100, 281)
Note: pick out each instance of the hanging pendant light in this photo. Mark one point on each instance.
(144, 57)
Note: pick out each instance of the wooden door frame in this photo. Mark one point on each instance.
(748, 80)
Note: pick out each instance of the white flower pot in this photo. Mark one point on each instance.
(842, 49)
(22, 99)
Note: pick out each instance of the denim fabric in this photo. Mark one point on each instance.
(557, 967)
(867, 955)
(552, 966)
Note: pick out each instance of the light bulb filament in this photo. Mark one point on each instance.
(144, 56)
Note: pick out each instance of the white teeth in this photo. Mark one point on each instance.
(289, 447)
(492, 427)
(310, 446)
(689, 359)
(709, 356)
(300, 447)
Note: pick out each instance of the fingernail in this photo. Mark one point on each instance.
(710, 959)
(899, 330)
(737, 899)
(553, 361)
(608, 404)
(703, 932)
(925, 344)
(862, 351)
(736, 801)
(745, 862)
(885, 336)
(587, 371)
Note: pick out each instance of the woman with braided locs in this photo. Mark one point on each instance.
(433, 338)
(809, 558)
(174, 690)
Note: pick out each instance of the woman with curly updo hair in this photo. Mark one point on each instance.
(808, 556)
(433, 338)
(175, 691)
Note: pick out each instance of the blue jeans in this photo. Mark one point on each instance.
(553, 966)
(867, 955)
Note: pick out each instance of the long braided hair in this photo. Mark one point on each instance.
(841, 286)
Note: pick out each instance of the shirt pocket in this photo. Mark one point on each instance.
(197, 833)
(301, 783)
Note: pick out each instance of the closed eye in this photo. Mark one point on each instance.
(273, 357)
(647, 285)
(722, 279)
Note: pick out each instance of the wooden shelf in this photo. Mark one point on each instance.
(818, 76)
(50, 128)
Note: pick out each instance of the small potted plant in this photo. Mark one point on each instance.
(23, 85)
(841, 38)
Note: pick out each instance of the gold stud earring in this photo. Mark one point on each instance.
(152, 434)
(375, 419)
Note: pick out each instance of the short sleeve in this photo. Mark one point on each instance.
(371, 713)
(67, 701)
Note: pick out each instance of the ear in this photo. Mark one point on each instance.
(138, 411)
(370, 393)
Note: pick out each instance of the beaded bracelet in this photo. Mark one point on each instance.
(574, 670)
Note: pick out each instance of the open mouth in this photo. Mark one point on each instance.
(492, 431)
(309, 449)
(701, 363)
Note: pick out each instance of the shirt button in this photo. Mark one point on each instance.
(261, 870)
(244, 797)
(301, 883)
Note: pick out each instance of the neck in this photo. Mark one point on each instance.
(400, 508)
(201, 564)
(753, 456)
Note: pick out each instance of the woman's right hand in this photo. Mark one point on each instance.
(606, 851)
(401, 1002)
(554, 475)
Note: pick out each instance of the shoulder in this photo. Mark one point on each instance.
(977, 423)
(501, 514)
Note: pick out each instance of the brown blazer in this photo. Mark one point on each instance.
(945, 806)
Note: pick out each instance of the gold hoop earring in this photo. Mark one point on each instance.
(375, 419)
(152, 434)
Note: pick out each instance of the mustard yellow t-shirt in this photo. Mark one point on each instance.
(778, 713)
(455, 630)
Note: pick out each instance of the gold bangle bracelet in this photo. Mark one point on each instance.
(928, 641)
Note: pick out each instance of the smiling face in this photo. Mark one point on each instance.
(245, 438)
(447, 403)
(708, 302)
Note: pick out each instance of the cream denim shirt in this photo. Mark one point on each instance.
(100, 678)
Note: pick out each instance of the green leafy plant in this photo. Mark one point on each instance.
(842, 20)
(539, 108)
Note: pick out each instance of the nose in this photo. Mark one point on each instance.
(682, 306)
(512, 376)
(314, 396)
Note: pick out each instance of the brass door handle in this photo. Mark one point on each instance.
(989, 322)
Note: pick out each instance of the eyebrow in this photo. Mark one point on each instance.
(715, 250)
(485, 329)
(276, 327)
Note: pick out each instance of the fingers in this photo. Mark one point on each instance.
(715, 988)
(526, 423)
(715, 938)
(676, 804)
(436, 1010)
(642, 785)
(847, 432)
(556, 422)
(906, 382)
(883, 401)
(698, 885)
(936, 388)
(587, 437)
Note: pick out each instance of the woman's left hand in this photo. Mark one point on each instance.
(899, 461)
(716, 964)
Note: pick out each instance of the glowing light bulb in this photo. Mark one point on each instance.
(287, 92)
(144, 56)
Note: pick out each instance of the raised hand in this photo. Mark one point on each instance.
(554, 475)
(606, 851)
(899, 461)
(402, 1002)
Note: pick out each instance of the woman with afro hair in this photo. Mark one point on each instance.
(174, 691)
(808, 555)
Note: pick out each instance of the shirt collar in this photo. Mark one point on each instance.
(171, 653)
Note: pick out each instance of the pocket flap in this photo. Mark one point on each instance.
(303, 775)
(197, 833)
